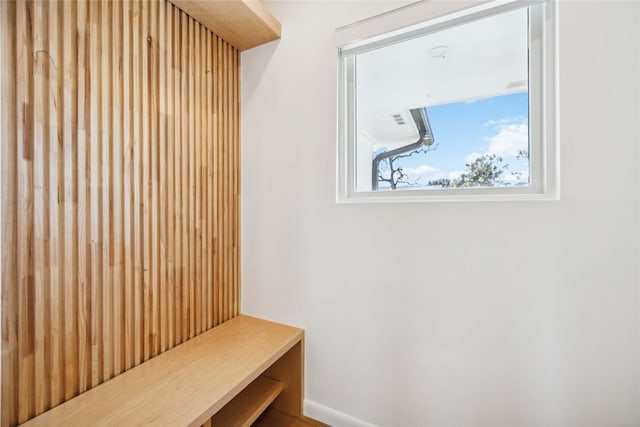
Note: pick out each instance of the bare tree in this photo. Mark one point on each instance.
(395, 175)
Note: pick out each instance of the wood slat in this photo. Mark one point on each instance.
(120, 183)
(83, 263)
(24, 253)
(9, 170)
(95, 211)
(197, 187)
(235, 185)
(184, 181)
(171, 193)
(106, 190)
(209, 248)
(117, 195)
(138, 206)
(190, 187)
(41, 166)
(127, 186)
(162, 179)
(58, 186)
(70, 136)
(154, 179)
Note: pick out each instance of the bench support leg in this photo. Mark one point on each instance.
(289, 370)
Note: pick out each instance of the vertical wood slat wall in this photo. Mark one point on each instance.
(120, 191)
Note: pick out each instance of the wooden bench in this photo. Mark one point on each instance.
(224, 377)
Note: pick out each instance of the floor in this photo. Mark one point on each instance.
(274, 418)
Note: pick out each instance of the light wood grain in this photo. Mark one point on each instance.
(289, 370)
(119, 179)
(96, 213)
(186, 385)
(209, 247)
(234, 220)
(57, 216)
(249, 404)
(69, 371)
(83, 242)
(171, 188)
(118, 239)
(162, 178)
(106, 189)
(225, 177)
(242, 23)
(154, 180)
(24, 254)
(41, 157)
(217, 182)
(127, 187)
(191, 238)
(9, 170)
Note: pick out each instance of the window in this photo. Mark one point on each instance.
(456, 108)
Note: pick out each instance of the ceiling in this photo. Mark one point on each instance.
(483, 58)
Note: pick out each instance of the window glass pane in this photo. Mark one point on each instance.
(466, 87)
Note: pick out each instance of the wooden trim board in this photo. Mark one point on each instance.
(242, 23)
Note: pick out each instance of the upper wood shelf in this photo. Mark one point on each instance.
(242, 23)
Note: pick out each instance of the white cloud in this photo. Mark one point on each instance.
(472, 157)
(421, 171)
(509, 140)
(454, 175)
(495, 122)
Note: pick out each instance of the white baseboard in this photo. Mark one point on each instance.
(331, 416)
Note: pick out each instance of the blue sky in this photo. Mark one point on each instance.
(467, 130)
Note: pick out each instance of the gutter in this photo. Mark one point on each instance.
(421, 120)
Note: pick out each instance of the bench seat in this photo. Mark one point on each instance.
(226, 376)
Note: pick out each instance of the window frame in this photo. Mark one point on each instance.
(543, 122)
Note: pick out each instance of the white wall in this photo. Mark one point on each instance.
(450, 314)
